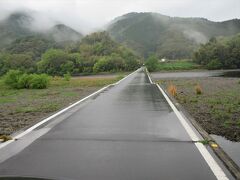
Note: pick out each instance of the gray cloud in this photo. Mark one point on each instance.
(89, 15)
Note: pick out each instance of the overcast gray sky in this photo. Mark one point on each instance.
(90, 14)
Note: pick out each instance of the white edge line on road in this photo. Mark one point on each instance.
(60, 112)
(126, 76)
(216, 169)
(149, 76)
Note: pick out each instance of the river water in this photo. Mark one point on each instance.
(196, 74)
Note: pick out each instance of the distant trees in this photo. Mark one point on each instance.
(102, 65)
(99, 53)
(96, 52)
(3, 60)
(54, 62)
(21, 62)
(152, 63)
(221, 53)
(112, 63)
(77, 61)
(31, 45)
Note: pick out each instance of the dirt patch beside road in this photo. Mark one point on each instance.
(217, 109)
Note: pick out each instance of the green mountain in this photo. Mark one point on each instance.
(169, 37)
(20, 25)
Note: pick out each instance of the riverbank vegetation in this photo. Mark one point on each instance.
(220, 53)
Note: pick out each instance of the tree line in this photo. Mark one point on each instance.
(221, 53)
(218, 53)
(96, 53)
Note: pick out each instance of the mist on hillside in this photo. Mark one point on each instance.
(198, 37)
(92, 15)
(24, 23)
(185, 28)
(33, 20)
(146, 27)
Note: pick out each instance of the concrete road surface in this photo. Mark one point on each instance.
(127, 132)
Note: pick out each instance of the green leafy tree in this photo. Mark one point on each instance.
(222, 53)
(109, 63)
(152, 63)
(53, 61)
(130, 59)
(101, 65)
(78, 61)
(67, 67)
(12, 78)
(22, 62)
(4, 59)
(96, 52)
(214, 64)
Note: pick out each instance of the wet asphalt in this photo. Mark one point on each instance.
(127, 132)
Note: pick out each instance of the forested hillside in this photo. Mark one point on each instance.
(169, 37)
(33, 45)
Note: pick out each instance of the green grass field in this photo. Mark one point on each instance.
(177, 65)
(57, 86)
